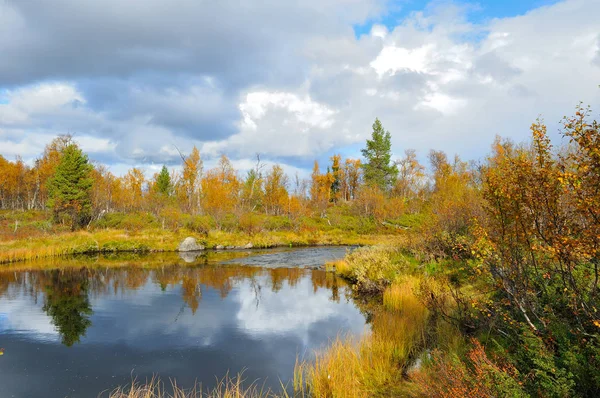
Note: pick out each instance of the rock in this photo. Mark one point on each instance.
(249, 246)
(219, 247)
(189, 244)
(230, 247)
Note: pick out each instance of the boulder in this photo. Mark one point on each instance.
(219, 247)
(249, 246)
(189, 244)
(230, 247)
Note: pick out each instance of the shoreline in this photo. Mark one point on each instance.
(161, 241)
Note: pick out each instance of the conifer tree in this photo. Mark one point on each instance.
(378, 168)
(336, 185)
(71, 186)
(163, 182)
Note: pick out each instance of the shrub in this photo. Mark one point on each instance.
(130, 221)
(372, 268)
(229, 223)
(200, 224)
(476, 376)
(277, 223)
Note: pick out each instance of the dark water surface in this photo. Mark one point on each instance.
(99, 322)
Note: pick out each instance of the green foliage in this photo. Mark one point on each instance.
(200, 224)
(127, 221)
(229, 222)
(412, 221)
(378, 168)
(277, 223)
(71, 186)
(163, 182)
(124, 246)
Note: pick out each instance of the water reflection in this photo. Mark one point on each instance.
(83, 330)
(67, 303)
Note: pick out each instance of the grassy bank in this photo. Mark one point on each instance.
(29, 236)
(158, 240)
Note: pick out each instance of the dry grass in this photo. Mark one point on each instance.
(374, 365)
(371, 269)
(87, 242)
(161, 240)
(228, 387)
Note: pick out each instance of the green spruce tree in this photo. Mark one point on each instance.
(70, 188)
(378, 167)
(163, 182)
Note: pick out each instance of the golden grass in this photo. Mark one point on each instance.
(338, 266)
(87, 242)
(372, 268)
(374, 365)
(163, 240)
(402, 294)
(228, 387)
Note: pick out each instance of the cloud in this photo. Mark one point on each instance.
(287, 79)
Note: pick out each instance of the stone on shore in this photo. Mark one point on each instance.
(189, 244)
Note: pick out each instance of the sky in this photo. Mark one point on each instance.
(291, 80)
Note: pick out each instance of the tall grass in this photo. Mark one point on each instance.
(374, 365)
(228, 387)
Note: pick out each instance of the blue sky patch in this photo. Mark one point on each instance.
(480, 11)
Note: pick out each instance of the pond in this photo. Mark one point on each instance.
(97, 322)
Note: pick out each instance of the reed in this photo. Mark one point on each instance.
(227, 387)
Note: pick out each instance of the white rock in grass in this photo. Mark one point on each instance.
(189, 244)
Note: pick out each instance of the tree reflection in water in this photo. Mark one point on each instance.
(67, 292)
(67, 303)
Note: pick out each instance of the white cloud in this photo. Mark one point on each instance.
(278, 124)
(41, 99)
(393, 59)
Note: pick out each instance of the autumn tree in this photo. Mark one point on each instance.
(455, 203)
(411, 175)
(276, 194)
(378, 168)
(352, 178)
(252, 190)
(102, 189)
(134, 183)
(320, 188)
(189, 190)
(70, 187)
(220, 190)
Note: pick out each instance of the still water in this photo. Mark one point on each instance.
(98, 322)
